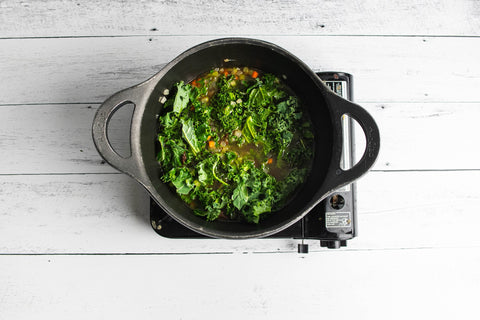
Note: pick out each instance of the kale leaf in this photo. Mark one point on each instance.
(181, 98)
(188, 132)
(220, 140)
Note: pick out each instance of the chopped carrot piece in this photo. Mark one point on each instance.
(211, 144)
(254, 74)
(194, 83)
(270, 160)
(225, 73)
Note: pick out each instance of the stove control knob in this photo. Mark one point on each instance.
(333, 244)
(302, 248)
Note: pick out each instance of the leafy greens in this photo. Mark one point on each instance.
(234, 145)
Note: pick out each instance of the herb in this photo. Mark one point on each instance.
(181, 98)
(182, 180)
(189, 135)
(234, 144)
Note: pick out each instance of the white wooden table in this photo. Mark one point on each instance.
(75, 238)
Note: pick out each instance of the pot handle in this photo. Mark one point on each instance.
(128, 165)
(372, 136)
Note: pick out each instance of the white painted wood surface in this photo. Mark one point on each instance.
(399, 284)
(75, 237)
(108, 213)
(386, 69)
(424, 140)
(62, 18)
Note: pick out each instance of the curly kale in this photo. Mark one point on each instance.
(232, 147)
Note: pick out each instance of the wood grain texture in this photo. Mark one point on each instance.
(202, 17)
(75, 238)
(109, 214)
(54, 139)
(426, 136)
(57, 138)
(404, 284)
(393, 69)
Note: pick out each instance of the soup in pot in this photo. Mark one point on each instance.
(235, 143)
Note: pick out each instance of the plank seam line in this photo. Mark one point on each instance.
(243, 35)
(116, 254)
(233, 252)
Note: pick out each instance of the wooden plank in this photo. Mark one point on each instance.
(53, 139)
(426, 136)
(423, 209)
(386, 69)
(109, 214)
(57, 138)
(90, 213)
(429, 284)
(193, 17)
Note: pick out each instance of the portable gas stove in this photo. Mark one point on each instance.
(333, 221)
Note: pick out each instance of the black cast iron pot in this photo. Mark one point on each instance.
(324, 107)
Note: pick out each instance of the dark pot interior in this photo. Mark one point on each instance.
(269, 59)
